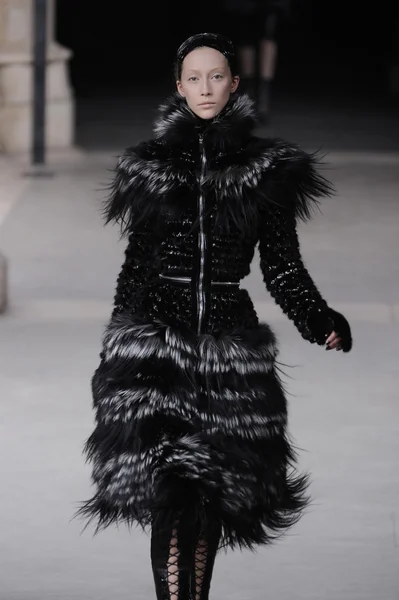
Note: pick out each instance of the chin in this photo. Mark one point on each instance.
(208, 113)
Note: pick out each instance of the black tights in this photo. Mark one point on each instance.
(182, 558)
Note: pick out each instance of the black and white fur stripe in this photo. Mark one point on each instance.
(214, 435)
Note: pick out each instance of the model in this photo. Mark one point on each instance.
(191, 438)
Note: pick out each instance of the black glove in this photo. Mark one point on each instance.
(322, 324)
(342, 329)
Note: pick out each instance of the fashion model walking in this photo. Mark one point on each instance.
(190, 440)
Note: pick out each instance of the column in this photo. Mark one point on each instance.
(3, 283)
(16, 89)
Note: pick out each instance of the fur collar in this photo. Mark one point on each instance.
(245, 176)
(178, 125)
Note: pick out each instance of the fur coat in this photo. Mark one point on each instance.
(190, 412)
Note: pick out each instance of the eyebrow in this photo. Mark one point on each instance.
(220, 68)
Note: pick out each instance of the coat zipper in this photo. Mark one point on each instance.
(201, 297)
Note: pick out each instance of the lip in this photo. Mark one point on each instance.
(207, 104)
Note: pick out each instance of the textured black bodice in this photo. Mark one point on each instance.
(175, 255)
(194, 202)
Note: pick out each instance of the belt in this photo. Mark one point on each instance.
(187, 281)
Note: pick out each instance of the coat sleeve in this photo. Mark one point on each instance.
(127, 204)
(290, 193)
(287, 278)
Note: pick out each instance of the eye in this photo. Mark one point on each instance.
(218, 76)
(192, 78)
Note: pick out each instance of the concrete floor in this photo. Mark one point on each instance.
(344, 408)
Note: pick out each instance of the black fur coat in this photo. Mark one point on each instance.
(254, 189)
(190, 412)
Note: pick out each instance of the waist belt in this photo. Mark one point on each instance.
(186, 281)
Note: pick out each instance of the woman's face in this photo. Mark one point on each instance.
(206, 82)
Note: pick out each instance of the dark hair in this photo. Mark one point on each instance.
(210, 40)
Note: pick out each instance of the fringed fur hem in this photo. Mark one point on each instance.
(192, 423)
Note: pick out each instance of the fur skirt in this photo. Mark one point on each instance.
(193, 424)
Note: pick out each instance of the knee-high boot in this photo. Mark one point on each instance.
(172, 558)
(205, 554)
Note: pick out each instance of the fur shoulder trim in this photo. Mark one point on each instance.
(143, 176)
(152, 178)
(267, 173)
(293, 179)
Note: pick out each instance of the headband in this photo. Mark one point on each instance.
(210, 40)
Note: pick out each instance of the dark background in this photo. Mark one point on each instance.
(327, 43)
(332, 56)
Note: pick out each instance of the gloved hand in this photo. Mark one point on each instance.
(331, 328)
(340, 337)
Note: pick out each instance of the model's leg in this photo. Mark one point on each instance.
(205, 554)
(172, 557)
(267, 64)
(247, 53)
(247, 61)
(247, 56)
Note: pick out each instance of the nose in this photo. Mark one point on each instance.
(205, 91)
